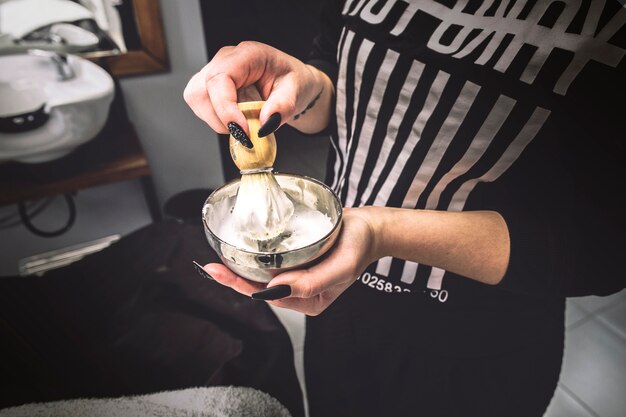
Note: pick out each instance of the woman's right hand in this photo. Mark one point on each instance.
(286, 84)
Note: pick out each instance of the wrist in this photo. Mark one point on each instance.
(376, 220)
(394, 230)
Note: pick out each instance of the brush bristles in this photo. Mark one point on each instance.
(262, 209)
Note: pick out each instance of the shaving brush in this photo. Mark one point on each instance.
(262, 154)
(262, 209)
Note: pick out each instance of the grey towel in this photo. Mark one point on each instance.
(196, 402)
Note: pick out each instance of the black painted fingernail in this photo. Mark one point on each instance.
(270, 125)
(272, 293)
(202, 272)
(237, 132)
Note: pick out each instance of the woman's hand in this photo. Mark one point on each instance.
(474, 244)
(315, 288)
(286, 84)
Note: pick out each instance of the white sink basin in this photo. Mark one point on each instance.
(43, 117)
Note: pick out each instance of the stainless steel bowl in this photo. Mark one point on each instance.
(263, 266)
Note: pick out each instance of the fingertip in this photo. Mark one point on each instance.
(295, 280)
(222, 93)
(222, 130)
(240, 119)
(215, 270)
(274, 292)
(232, 115)
(266, 112)
(212, 265)
(277, 107)
(270, 125)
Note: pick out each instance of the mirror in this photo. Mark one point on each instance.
(124, 36)
(150, 54)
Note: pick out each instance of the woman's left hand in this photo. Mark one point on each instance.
(315, 288)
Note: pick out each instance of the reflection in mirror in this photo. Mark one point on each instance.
(75, 26)
(124, 35)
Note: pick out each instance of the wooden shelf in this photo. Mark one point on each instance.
(114, 155)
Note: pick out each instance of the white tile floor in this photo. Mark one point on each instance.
(593, 378)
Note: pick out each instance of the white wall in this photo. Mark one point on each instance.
(181, 149)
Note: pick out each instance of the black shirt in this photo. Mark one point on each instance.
(512, 106)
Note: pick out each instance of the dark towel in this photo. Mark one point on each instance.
(136, 318)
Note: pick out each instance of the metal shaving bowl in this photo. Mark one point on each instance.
(263, 266)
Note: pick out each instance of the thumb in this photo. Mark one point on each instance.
(309, 282)
(303, 283)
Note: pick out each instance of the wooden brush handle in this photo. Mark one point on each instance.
(263, 152)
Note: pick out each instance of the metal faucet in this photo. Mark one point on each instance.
(59, 59)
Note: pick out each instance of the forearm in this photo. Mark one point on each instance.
(316, 116)
(474, 244)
